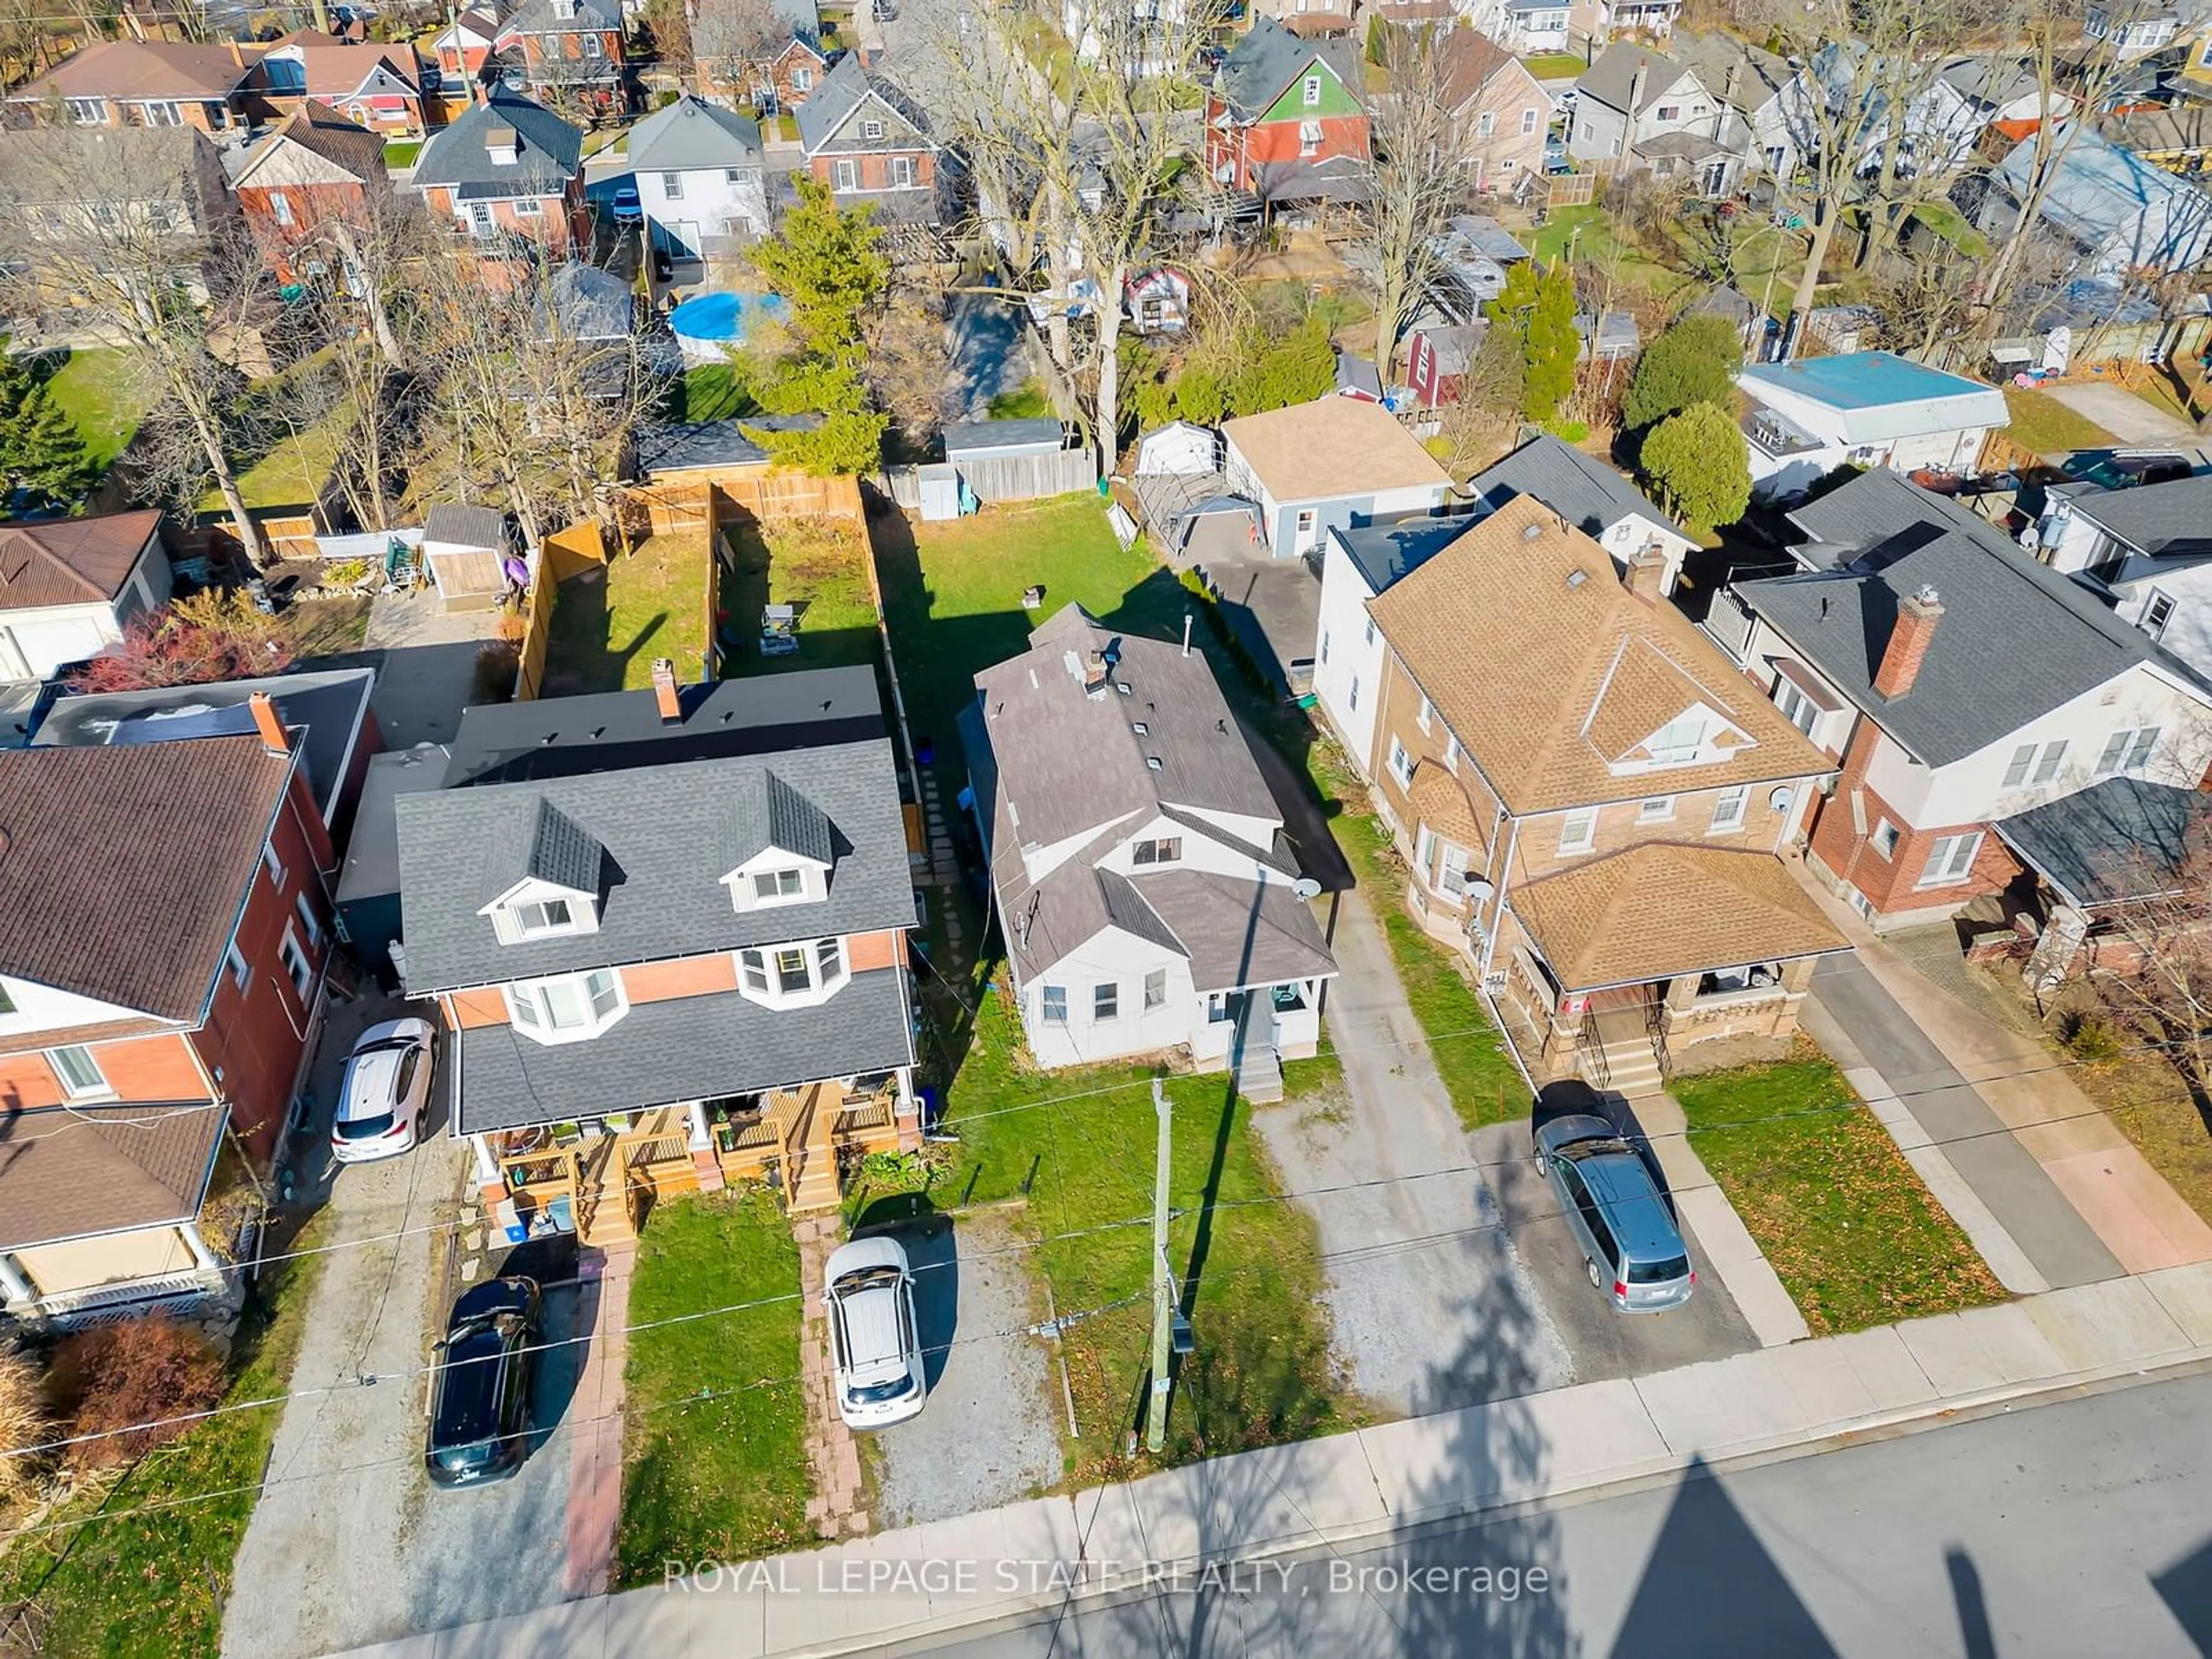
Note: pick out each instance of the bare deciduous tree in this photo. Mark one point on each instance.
(1420, 146)
(732, 42)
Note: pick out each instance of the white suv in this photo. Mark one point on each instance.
(872, 1340)
(386, 1085)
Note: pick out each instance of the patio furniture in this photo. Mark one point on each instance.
(779, 630)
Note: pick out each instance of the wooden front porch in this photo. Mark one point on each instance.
(602, 1180)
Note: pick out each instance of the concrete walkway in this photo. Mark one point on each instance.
(595, 1456)
(833, 1456)
(1368, 1487)
(1730, 1252)
(2049, 1189)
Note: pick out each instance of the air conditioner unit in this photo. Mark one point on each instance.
(1493, 982)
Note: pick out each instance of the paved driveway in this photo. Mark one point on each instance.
(987, 1436)
(2131, 419)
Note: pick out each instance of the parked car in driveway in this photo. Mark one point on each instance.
(480, 1396)
(628, 209)
(873, 1341)
(382, 1095)
(1618, 1214)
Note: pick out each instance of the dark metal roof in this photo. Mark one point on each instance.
(675, 446)
(1385, 552)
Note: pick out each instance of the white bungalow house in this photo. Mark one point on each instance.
(1336, 461)
(699, 178)
(1811, 415)
(1149, 899)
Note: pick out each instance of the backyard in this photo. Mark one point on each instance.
(295, 470)
(720, 1473)
(2041, 423)
(612, 621)
(1842, 1216)
(96, 390)
(819, 567)
(710, 392)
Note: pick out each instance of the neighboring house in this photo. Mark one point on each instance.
(149, 83)
(788, 78)
(2119, 212)
(1638, 110)
(1607, 20)
(1336, 461)
(1593, 498)
(1533, 26)
(2176, 136)
(1471, 259)
(1157, 300)
(69, 587)
(2148, 547)
(507, 166)
(869, 142)
(1500, 107)
(163, 939)
(326, 711)
(1956, 681)
(699, 179)
(669, 946)
(1809, 417)
(1146, 37)
(1284, 118)
(1589, 800)
(372, 83)
(2133, 30)
(1971, 94)
(1146, 893)
(463, 51)
(75, 183)
(569, 52)
(1773, 96)
(1438, 354)
(314, 168)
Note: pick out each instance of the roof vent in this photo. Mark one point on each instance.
(1140, 728)
(1532, 532)
(1154, 761)
(1576, 579)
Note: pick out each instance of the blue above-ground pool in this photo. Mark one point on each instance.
(703, 325)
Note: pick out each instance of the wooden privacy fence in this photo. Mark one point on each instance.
(1004, 478)
(563, 553)
(703, 500)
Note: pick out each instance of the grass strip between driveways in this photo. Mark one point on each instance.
(722, 1477)
(1842, 1217)
(149, 1580)
(2041, 422)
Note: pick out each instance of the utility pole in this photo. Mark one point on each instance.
(1164, 1296)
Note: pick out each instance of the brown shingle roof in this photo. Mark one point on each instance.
(1664, 909)
(1332, 446)
(122, 870)
(336, 69)
(1519, 640)
(71, 561)
(1441, 799)
(318, 127)
(1468, 60)
(69, 1172)
(133, 69)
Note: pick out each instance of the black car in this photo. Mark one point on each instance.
(480, 1398)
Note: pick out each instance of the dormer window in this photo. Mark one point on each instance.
(569, 1009)
(1167, 850)
(785, 848)
(778, 886)
(794, 975)
(552, 915)
(550, 867)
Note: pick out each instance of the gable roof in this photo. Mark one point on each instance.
(318, 129)
(1260, 67)
(1468, 60)
(1332, 446)
(95, 898)
(336, 69)
(1880, 503)
(1580, 489)
(2098, 189)
(2120, 840)
(550, 153)
(1562, 626)
(540, 842)
(1712, 55)
(544, 17)
(2171, 521)
(841, 92)
(694, 133)
(71, 1171)
(770, 813)
(1612, 76)
(131, 70)
(2015, 640)
(71, 561)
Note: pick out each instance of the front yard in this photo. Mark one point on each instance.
(140, 1565)
(611, 622)
(714, 1452)
(1838, 1212)
(817, 565)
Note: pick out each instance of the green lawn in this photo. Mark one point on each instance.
(1262, 1372)
(1554, 65)
(400, 154)
(711, 391)
(150, 1585)
(818, 565)
(296, 472)
(1843, 1218)
(722, 1478)
(609, 624)
(97, 391)
(1026, 402)
(2042, 423)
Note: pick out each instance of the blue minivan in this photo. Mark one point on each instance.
(1624, 1224)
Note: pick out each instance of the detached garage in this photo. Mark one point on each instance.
(68, 587)
(466, 550)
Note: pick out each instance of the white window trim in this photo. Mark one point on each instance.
(1112, 987)
(234, 959)
(272, 864)
(2127, 738)
(1656, 809)
(308, 920)
(824, 981)
(1569, 844)
(1311, 92)
(528, 993)
(1155, 977)
(1424, 715)
(1401, 764)
(1045, 994)
(299, 966)
(1896, 835)
(1728, 822)
(1931, 873)
(2157, 597)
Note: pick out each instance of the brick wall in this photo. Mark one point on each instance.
(1891, 884)
(874, 168)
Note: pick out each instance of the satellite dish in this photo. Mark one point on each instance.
(1780, 800)
(1479, 892)
(1306, 888)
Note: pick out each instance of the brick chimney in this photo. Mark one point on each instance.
(1645, 571)
(1909, 640)
(664, 690)
(266, 722)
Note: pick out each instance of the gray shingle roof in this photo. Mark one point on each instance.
(466, 527)
(675, 446)
(665, 832)
(540, 842)
(1610, 79)
(1580, 489)
(1267, 59)
(1238, 933)
(770, 813)
(984, 435)
(2162, 520)
(843, 90)
(697, 1048)
(541, 17)
(550, 152)
(2115, 841)
(692, 133)
(2016, 639)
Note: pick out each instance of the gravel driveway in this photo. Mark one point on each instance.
(987, 1436)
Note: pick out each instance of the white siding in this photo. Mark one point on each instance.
(2187, 631)
(1347, 656)
(42, 1008)
(1123, 960)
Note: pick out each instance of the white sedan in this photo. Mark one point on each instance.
(385, 1086)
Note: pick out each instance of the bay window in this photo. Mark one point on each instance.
(796, 974)
(569, 1008)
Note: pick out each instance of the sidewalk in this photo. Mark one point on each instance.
(1360, 1488)
(2048, 1189)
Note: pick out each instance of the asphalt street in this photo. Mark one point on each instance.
(2074, 1528)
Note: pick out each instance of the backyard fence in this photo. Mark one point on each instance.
(563, 553)
(1004, 478)
(709, 501)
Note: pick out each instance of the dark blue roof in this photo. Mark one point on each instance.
(2115, 841)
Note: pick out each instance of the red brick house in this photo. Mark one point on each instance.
(374, 84)
(508, 167)
(869, 142)
(314, 168)
(1284, 119)
(150, 83)
(462, 52)
(567, 52)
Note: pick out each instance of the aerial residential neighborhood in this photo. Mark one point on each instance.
(867, 826)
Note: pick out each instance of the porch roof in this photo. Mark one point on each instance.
(1441, 799)
(2121, 841)
(72, 1171)
(1662, 910)
(687, 1048)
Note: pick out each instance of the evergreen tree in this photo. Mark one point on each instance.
(1552, 345)
(41, 450)
(826, 264)
(1694, 362)
(1696, 461)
